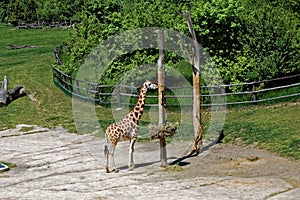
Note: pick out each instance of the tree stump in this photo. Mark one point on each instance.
(6, 97)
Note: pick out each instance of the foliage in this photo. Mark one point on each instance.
(13, 12)
(270, 43)
(58, 10)
(217, 25)
(108, 18)
(248, 40)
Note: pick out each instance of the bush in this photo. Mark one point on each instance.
(248, 40)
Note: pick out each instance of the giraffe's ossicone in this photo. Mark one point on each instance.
(126, 129)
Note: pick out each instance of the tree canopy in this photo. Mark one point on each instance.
(248, 40)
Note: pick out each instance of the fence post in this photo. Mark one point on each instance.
(223, 92)
(118, 96)
(254, 95)
(65, 82)
(77, 87)
(71, 84)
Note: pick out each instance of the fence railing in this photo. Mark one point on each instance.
(122, 95)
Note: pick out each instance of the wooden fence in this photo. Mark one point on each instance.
(121, 95)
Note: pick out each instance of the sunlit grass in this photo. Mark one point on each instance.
(31, 67)
(276, 128)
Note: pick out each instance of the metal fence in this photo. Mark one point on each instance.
(280, 89)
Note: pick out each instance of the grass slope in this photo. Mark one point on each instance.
(45, 104)
(276, 128)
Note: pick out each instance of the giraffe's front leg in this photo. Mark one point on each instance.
(131, 150)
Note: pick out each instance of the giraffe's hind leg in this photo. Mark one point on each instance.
(106, 153)
(109, 151)
(112, 152)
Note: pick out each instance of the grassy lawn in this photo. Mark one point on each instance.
(31, 67)
(276, 128)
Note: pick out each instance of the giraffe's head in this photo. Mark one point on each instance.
(149, 85)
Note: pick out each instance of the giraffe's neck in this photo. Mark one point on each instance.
(137, 111)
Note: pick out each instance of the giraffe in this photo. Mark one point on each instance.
(126, 129)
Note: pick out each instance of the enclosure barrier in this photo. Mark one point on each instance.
(119, 95)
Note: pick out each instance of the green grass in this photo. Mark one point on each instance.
(31, 67)
(276, 127)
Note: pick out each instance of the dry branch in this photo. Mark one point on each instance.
(12, 47)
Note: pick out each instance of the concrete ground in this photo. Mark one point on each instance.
(54, 164)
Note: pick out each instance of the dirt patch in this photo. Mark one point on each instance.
(228, 160)
(243, 161)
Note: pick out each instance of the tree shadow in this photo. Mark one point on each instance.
(139, 165)
(179, 161)
(151, 163)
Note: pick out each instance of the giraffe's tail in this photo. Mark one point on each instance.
(105, 146)
(105, 150)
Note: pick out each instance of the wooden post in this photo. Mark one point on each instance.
(118, 96)
(223, 92)
(4, 92)
(77, 86)
(195, 61)
(71, 83)
(161, 102)
(254, 94)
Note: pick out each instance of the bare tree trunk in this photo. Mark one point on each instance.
(6, 97)
(161, 98)
(197, 147)
(4, 92)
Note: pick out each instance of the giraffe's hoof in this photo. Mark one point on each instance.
(131, 167)
(115, 170)
(107, 170)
